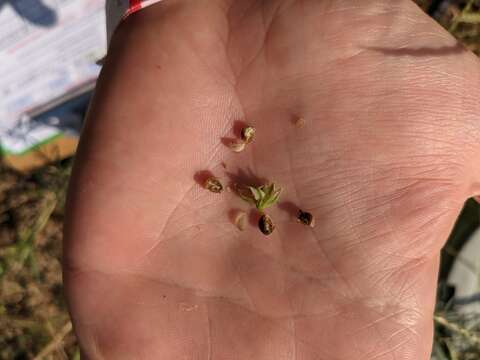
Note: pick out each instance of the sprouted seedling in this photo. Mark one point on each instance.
(262, 197)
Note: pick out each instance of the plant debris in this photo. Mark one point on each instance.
(266, 225)
(248, 134)
(214, 185)
(306, 218)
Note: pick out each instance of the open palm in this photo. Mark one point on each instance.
(155, 269)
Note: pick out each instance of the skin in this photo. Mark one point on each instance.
(154, 267)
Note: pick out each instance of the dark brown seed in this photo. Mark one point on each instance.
(306, 218)
(248, 134)
(214, 185)
(266, 224)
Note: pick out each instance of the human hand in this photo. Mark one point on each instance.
(154, 267)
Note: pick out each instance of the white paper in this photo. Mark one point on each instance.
(48, 48)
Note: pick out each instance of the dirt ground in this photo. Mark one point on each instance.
(34, 323)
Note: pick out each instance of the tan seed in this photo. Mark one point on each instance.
(241, 220)
(248, 134)
(299, 122)
(214, 185)
(237, 145)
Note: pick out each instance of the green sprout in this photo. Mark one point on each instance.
(262, 197)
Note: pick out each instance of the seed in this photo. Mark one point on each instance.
(248, 134)
(214, 185)
(237, 145)
(266, 224)
(241, 220)
(299, 122)
(306, 218)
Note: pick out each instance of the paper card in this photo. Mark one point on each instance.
(48, 48)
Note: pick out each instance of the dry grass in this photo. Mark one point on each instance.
(457, 336)
(462, 18)
(32, 307)
(34, 323)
